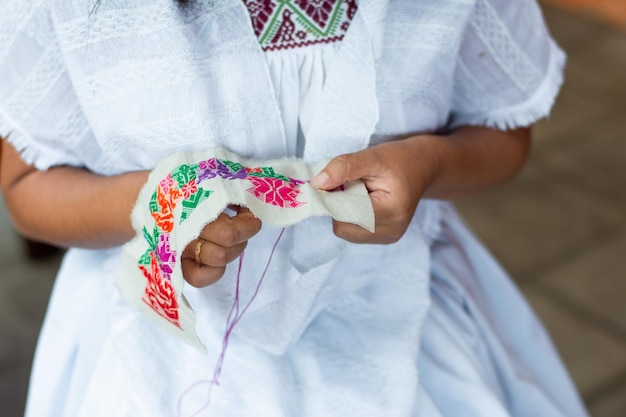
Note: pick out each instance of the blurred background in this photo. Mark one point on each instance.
(559, 228)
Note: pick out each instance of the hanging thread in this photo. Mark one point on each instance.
(233, 317)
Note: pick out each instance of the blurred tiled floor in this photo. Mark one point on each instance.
(24, 291)
(560, 229)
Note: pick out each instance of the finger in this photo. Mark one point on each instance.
(242, 209)
(343, 169)
(352, 233)
(385, 234)
(237, 208)
(230, 231)
(201, 275)
(249, 224)
(212, 254)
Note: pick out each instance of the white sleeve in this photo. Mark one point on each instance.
(509, 70)
(39, 111)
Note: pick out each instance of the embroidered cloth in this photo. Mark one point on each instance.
(189, 190)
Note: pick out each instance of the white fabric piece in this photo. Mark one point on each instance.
(337, 328)
(277, 192)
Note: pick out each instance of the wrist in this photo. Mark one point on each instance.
(130, 184)
(434, 154)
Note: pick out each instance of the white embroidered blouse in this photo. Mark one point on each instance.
(88, 89)
(122, 87)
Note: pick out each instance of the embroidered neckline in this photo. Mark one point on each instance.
(291, 24)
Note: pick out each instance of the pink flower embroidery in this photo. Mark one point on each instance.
(208, 164)
(275, 191)
(189, 189)
(159, 293)
(166, 183)
(206, 170)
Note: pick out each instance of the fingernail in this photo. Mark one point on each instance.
(319, 180)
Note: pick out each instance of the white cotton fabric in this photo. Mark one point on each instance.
(421, 328)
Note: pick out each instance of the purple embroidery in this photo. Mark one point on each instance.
(165, 256)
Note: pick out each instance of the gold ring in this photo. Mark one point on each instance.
(198, 249)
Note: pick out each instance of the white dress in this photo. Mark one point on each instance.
(429, 326)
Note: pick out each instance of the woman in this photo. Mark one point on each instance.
(421, 100)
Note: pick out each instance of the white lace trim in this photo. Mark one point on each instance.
(505, 50)
(32, 151)
(536, 107)
(117, 23)
(38, 84)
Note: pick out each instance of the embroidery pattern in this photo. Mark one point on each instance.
(182, 186)
(290, 24)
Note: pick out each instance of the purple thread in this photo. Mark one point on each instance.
(231, 322)
(225, 172)
(165, 255)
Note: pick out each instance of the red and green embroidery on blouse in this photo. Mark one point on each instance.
(289, 24)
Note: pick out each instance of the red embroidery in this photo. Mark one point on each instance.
(189, 189)
(351, 8)
(159, 293)
(303, 44)
(318, 10)
(286, 29)
(288, 24)
(260, 12)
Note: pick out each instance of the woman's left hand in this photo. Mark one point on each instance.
(396, 174)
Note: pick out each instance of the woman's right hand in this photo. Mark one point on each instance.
(224, 240)
(73, 207)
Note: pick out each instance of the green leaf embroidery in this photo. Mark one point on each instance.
(194, 200)
(184, 173)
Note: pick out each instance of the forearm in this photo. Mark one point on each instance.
(472, 159)
(399, 173)
(69, 206)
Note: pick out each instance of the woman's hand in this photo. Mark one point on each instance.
(224, 240)
(398, 174)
